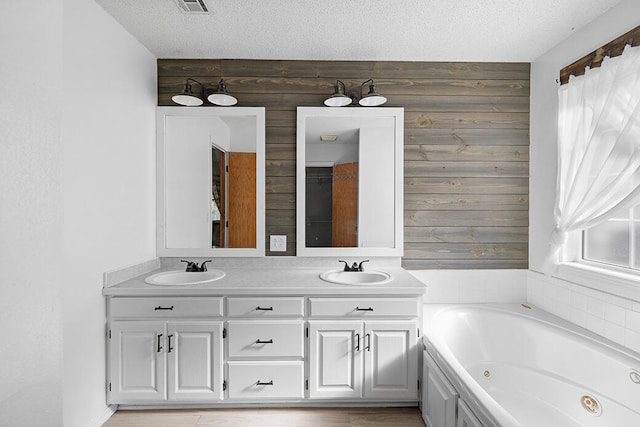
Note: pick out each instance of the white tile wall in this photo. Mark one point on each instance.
(473, 286)
(610, 316)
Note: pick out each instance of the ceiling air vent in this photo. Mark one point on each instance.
(193, 6)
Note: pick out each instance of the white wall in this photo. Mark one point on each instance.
(30, 214)
(109, 181)
(561, 297)
(76, 199)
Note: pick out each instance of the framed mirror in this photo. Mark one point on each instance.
(349, 181)
(210, 181)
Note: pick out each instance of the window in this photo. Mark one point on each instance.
(597, 207)
(614, 243)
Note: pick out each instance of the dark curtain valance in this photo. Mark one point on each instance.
(595, 58)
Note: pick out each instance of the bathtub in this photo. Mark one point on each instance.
(520, 366)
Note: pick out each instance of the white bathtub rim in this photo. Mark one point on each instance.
(537, 315)
(466, 385)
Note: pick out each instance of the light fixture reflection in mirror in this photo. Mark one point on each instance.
(349, 181)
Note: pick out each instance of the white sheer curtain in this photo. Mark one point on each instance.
(598, 146)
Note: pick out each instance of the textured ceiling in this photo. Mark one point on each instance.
(391, 30)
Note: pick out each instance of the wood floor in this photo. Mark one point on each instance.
(270, 417)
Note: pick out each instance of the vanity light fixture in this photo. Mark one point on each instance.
(220, 96)
(339, 97)
(187, 96)
(373, 98)
(342, 98)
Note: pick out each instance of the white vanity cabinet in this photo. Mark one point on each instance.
(265, 348)
(367, 350)
(177, 358)
(231, 349)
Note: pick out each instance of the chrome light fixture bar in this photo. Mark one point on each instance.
(342, 98)
(220, 96)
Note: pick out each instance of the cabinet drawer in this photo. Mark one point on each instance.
(265, 307)
(364, 307)
(265, 339)
(266, 380)
(165, 307)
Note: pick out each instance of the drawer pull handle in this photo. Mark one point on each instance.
(259, 383)
(159, 348)
(169, 343)
(259, 341)
(364, 309)
(163, 308)
(264, 308)
(357, 342)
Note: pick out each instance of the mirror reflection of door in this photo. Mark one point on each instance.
(241, 213)
(344, 230)
(233, 219)
(319, 183)
(218, 197)
(332, 211)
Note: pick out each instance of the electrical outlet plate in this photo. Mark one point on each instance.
(277, 243)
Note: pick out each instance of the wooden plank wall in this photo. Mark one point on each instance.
(466, 147)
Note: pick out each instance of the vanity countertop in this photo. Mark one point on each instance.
(270, 281)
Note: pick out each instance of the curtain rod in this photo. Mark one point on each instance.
(594, 59)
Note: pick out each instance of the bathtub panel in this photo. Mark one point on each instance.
(440, 397)
(466, 417)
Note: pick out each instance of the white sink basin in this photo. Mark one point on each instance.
(181, 277)
(369, 277)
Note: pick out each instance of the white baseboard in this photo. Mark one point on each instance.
(102, 418)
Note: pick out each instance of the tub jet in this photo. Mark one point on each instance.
(591, 405)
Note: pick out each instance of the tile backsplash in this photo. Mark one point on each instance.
(473, 286)
(613, 317)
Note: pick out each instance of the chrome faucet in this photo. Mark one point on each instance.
(355, 266)
(193, 266)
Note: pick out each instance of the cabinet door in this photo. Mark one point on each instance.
(335, 360)
(194, 352)
(439, 396)
(391, 360)
(137, 362)
(466, 418)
